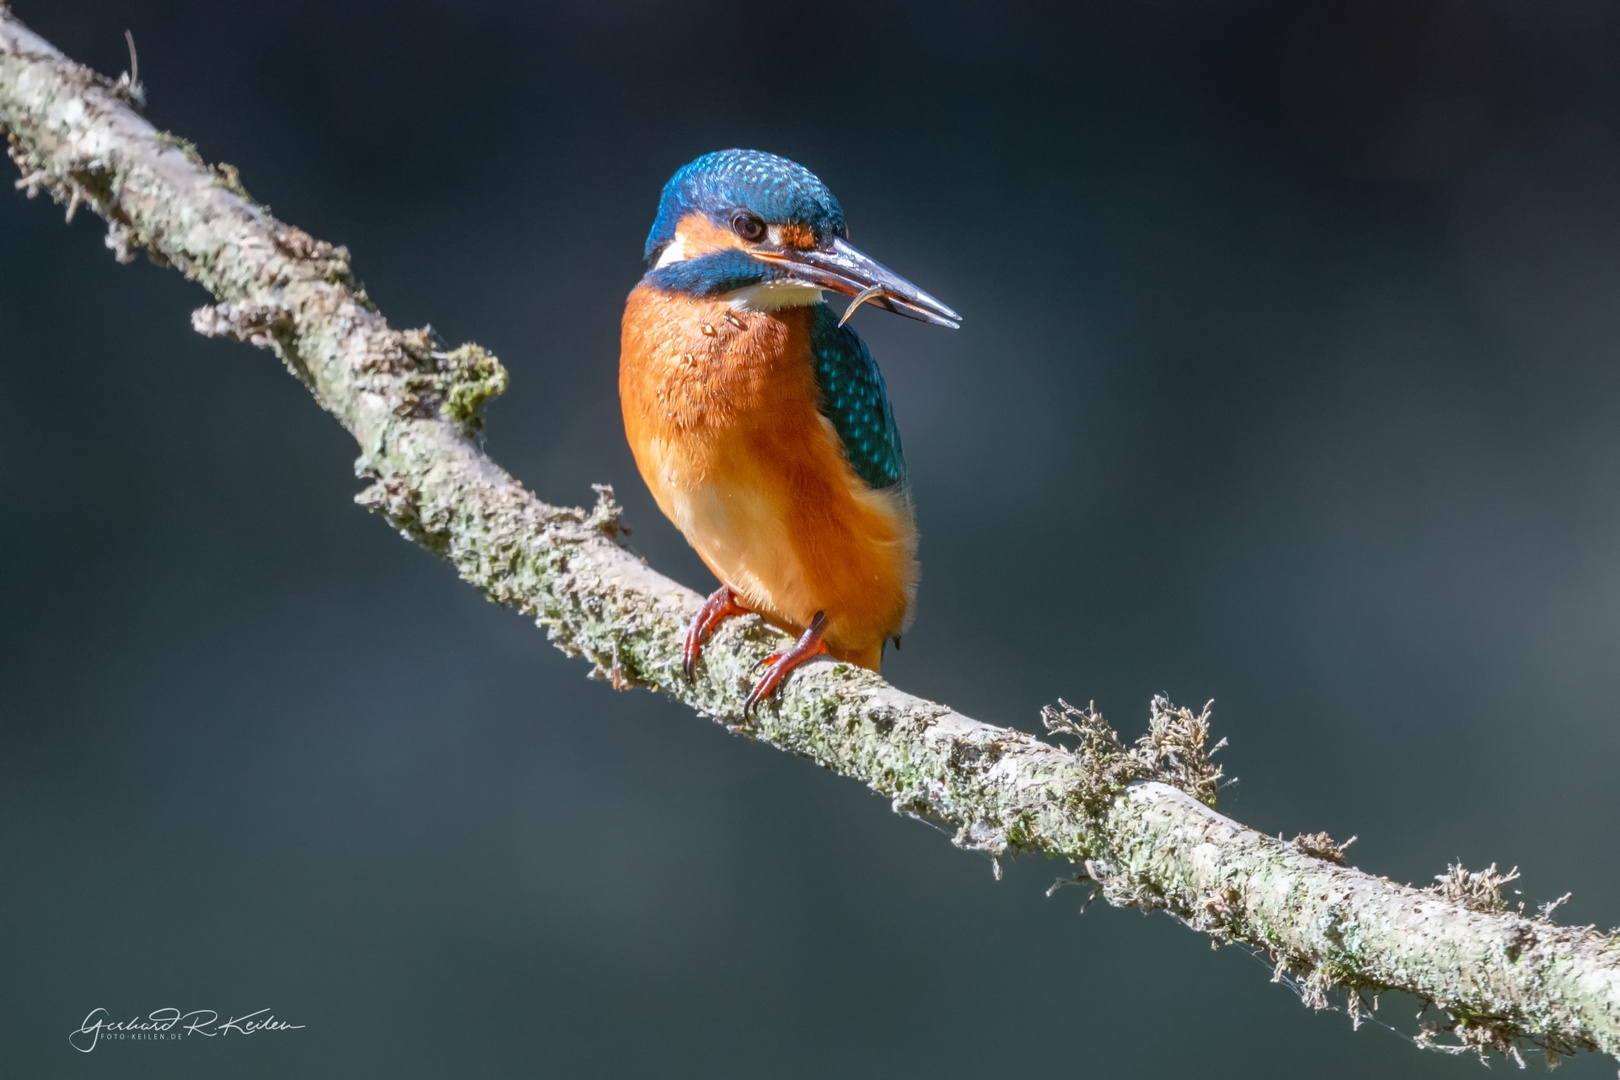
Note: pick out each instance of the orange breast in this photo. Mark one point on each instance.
(721, 410)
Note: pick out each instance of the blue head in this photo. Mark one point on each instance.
(773, 189)
(735, 219)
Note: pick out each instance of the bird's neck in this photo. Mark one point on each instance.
(732, 277)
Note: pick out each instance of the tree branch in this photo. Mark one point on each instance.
(1131, 816)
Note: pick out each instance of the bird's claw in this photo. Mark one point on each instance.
(722, 604)
(779, 664)
(691, 651)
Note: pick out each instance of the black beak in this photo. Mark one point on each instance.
(844, 269)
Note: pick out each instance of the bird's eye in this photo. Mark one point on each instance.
(747, 226)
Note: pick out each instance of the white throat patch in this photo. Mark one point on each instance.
(774, 295)
(674, 252)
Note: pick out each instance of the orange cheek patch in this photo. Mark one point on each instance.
(697, 235)
(798, 236)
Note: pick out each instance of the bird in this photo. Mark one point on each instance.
(758, 418)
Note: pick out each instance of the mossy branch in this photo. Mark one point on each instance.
(1137, 818)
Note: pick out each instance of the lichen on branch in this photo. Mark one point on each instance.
(1174, 751)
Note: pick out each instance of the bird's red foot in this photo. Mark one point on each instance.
(777, 665)
(721, 604)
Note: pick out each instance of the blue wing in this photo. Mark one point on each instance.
(853, 398)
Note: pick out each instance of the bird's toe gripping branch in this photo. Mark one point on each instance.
(779, 664)
(721, 605)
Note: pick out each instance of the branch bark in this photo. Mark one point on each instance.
(1135, 818)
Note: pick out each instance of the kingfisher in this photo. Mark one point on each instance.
(759, 420)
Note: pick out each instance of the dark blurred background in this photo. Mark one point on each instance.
(1288, 379)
